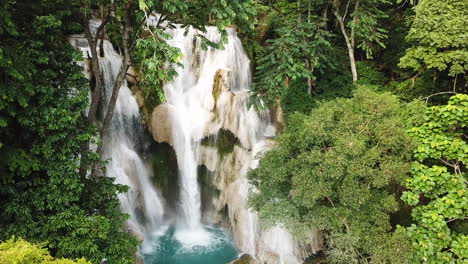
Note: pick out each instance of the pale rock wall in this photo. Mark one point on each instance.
(231, 112)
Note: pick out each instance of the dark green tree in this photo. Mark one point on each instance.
(359, 22)
(296, 55)
(43, 97)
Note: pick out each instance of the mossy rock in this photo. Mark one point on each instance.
(207, 189)
(224, 142)
(164, 163)
(244, 259)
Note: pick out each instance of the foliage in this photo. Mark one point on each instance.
(153, 56)
(369, 74)
(439, 38)
(438, 185)
(43, 96)
(15, 251)
(284, 59)
(369, 34)
(296, 99)
(333, 169)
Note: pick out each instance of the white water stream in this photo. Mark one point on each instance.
(142, 202)
(190, 100)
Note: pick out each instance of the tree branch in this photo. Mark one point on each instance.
(427, 98)
(355, 18)
(104, 22)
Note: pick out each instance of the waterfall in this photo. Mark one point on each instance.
(208, 99)
(190, 102)
(142, 202)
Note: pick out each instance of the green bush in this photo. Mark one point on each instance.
(18, 251)
(369, 74)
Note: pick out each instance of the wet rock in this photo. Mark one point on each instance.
(244, 259)
(131, 76)
(277, 117)
(138, 97)
(160, 124)
(133, 231)
(220, 84)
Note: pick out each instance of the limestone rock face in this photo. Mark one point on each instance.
(160, 124)
(273, 245)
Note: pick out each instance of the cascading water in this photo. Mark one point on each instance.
(141, 202)
(190, 101)
(209, 97)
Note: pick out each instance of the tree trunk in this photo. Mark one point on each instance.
(98, 77)
(95, 93)
(96, 71)
(349, 40)
(310, 82)
(105, 129)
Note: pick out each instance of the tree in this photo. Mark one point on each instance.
(334, 170)
(14, 251)
(361, 29)
(43, 96)
(438, 37)
(296, 52)
(438, 185)
(293, 56)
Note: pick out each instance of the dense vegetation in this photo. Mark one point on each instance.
(43, 198)
(379, 171)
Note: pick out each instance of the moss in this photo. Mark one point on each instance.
(224, 142)
(244, 259)
(164, 163)
(207, 189)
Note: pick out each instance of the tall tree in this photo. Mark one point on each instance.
(359, 22)
(297, 53)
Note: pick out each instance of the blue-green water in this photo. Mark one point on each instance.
(168, 250)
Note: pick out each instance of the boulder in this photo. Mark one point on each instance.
(244, 259)
(131, 76)
(160, 124)
(138, 259)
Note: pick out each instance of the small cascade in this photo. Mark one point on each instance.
(142, 202)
